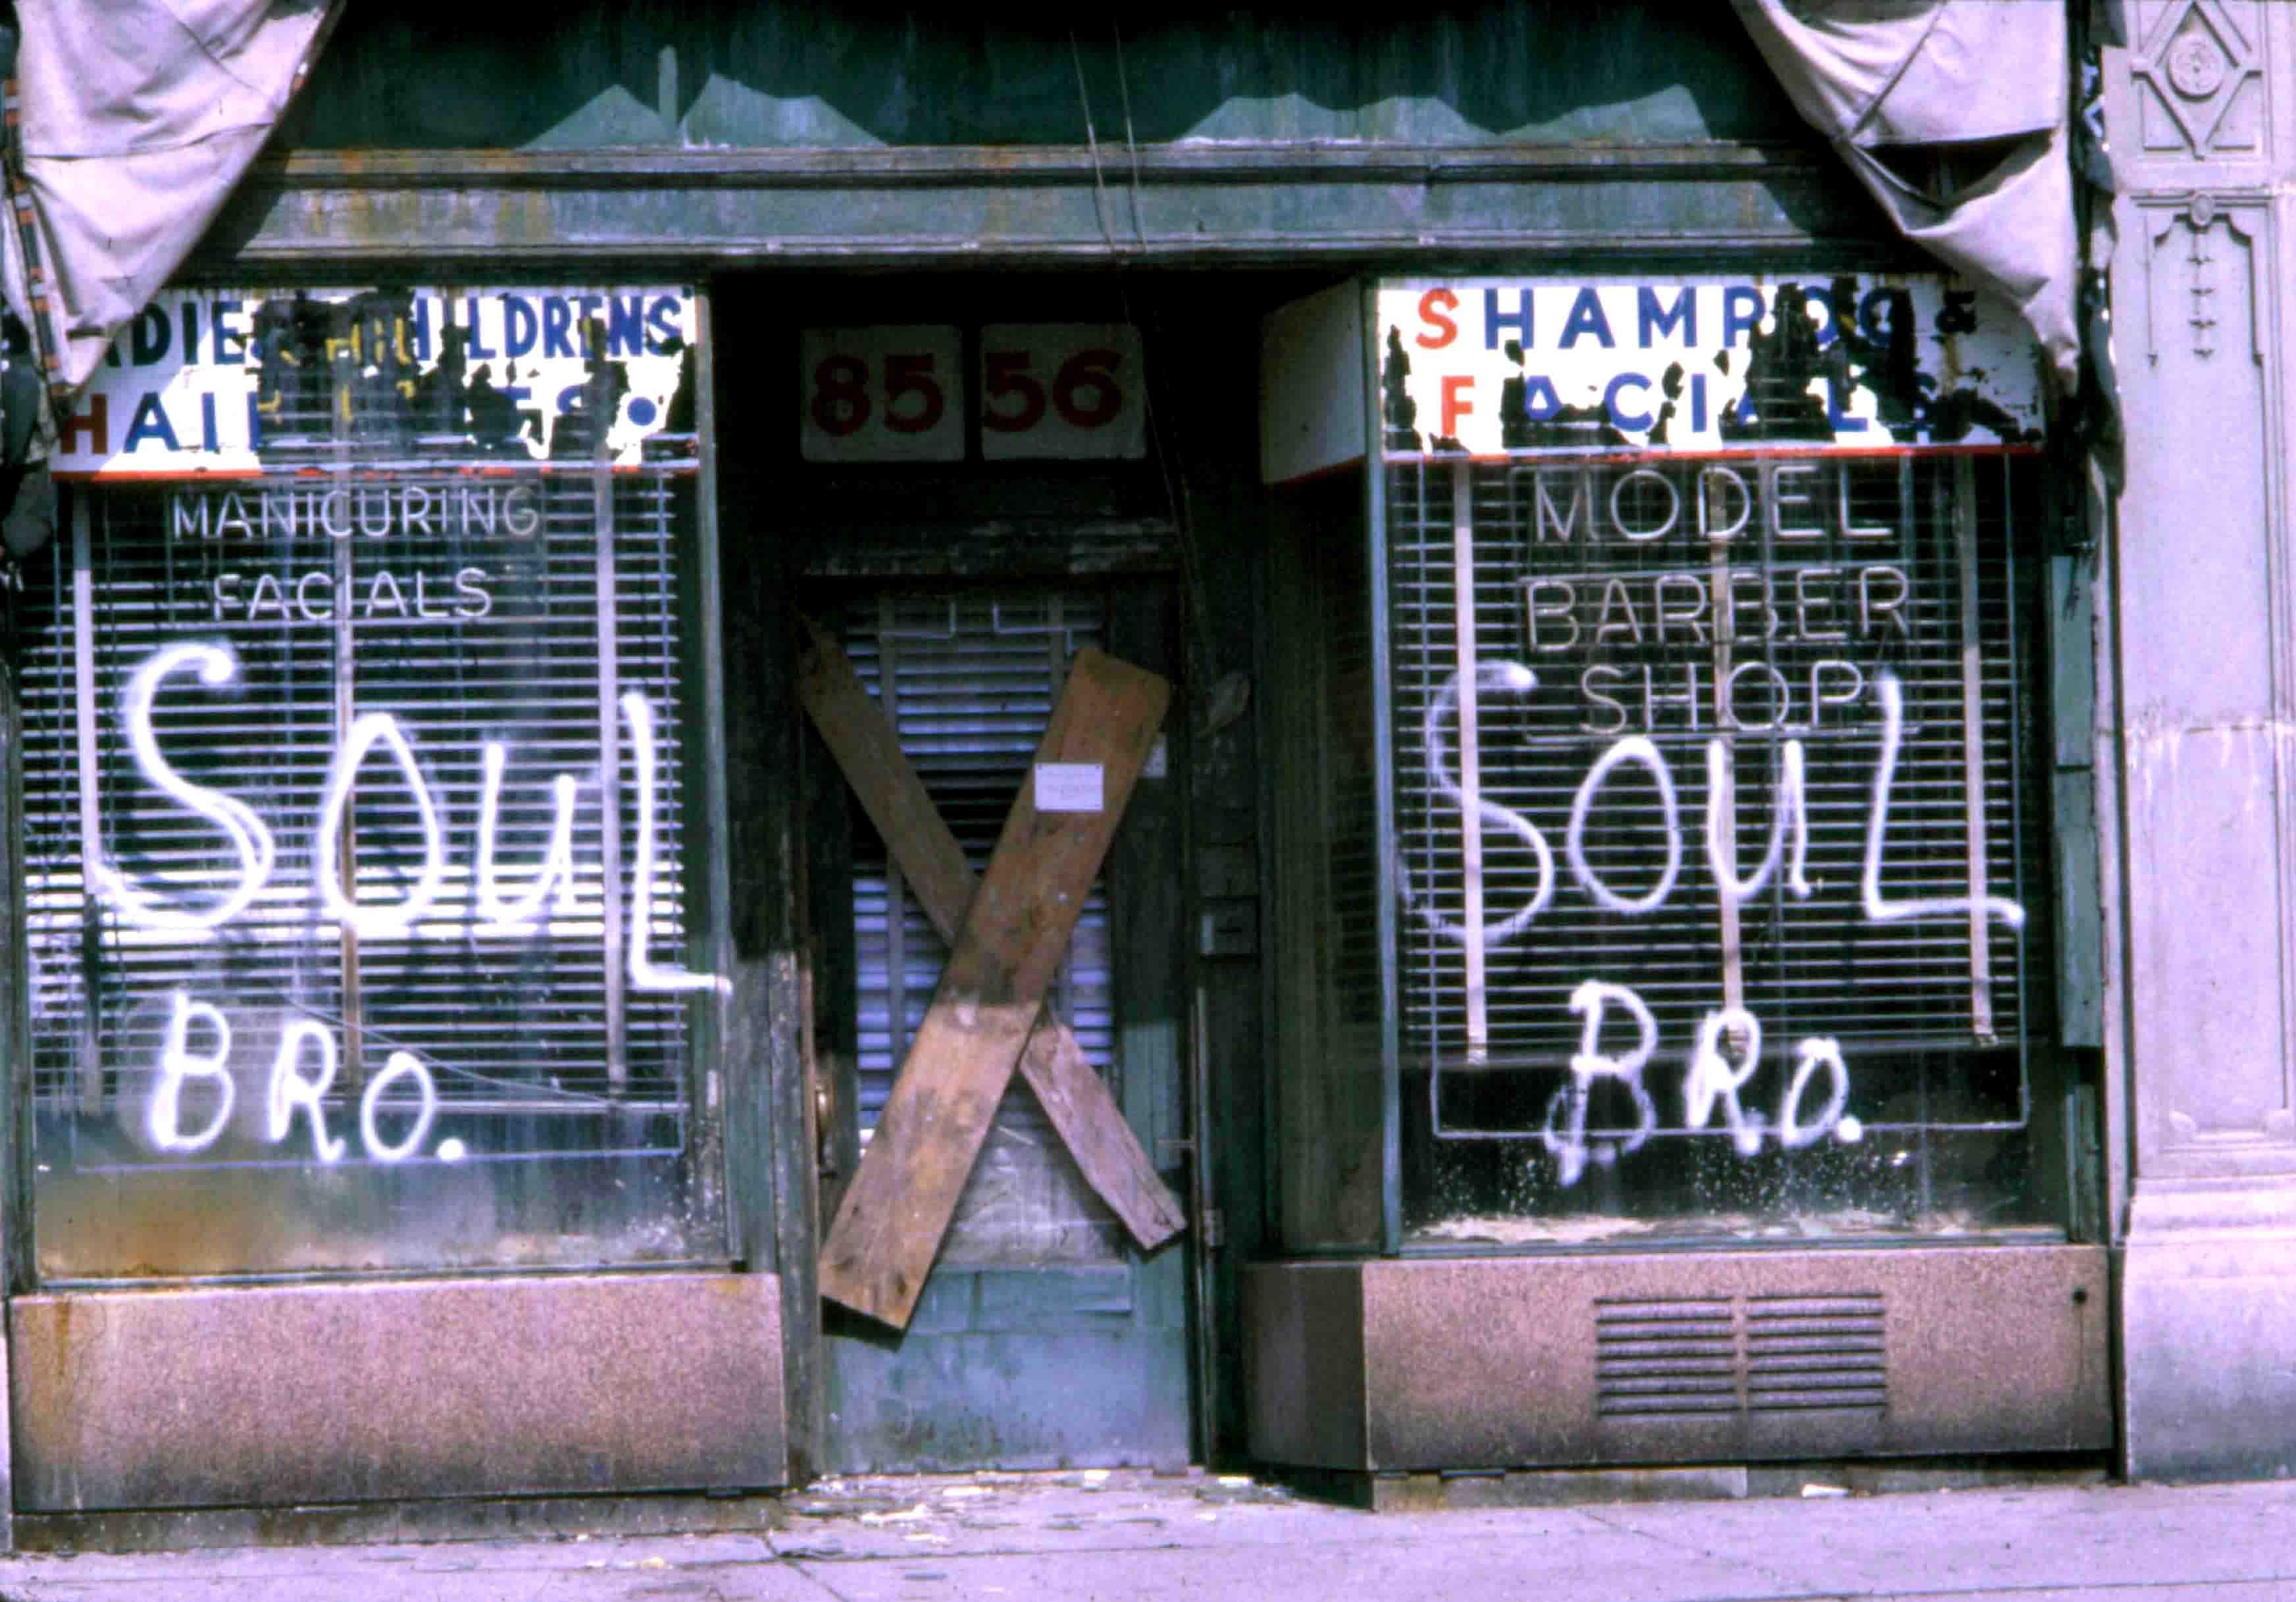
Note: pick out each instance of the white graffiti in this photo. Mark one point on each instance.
(1496, 677)
(367, 731)
(645, 974)
(1809, 1056)
(254, 844)
(1788, 817)
(163, 1113)
(194, 1057)
(400, 1064)
(1788, 846)
(250, 839)
(1633, 748)
(290, 1090)
(1712, 1079)
(1877, 828)
(1568, 1105)
(518, 916)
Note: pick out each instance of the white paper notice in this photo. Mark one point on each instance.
(1068, 788)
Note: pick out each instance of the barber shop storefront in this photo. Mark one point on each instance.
(923, 793)
(1668, 983)
(1651, 914)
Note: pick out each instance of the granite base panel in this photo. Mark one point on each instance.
(1527, 1363)
(217, 1397)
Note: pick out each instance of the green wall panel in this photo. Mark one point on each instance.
(423, 74)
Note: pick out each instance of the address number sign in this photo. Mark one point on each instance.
(900, 393)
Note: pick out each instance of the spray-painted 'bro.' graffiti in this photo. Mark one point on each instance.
(1712, 1083)
(304, 1066)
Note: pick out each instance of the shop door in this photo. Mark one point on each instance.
(1043, 1337)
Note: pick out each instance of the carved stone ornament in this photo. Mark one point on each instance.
(2202, 285)
(2196, 67)
(2197, 59)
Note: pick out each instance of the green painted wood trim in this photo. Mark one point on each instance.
(2073, 801)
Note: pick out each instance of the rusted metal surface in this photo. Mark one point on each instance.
(1176, 204)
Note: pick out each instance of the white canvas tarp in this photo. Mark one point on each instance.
(1954, 113)
(137, 117)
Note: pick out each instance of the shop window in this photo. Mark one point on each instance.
(1657, 853)
(1725, 758)
(362, 823)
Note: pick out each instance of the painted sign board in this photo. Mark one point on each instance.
(1311, 384)
(1047, 391)
(885, 393)
(229, 382)
(1489, 366)
(1067, 390)
(1500, 366)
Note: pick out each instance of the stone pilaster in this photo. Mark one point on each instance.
(2199, 110)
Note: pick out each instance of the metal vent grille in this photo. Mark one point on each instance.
(1816, 1352)
(1699, 1356)
(1674, 1355)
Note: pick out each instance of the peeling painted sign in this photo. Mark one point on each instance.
(1487, 367)
(229, 382)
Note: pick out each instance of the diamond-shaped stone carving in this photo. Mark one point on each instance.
(2196, 65)
(2196, 58)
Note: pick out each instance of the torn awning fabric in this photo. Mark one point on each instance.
(133, 121)
(1954, 113)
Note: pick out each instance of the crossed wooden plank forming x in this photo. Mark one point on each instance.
(1008, 935)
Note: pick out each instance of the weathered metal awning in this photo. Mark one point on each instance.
(950, 206)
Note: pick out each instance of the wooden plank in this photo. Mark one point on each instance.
(1083, 1112)
(1094, 1130)
(2073, 800)
(889, 1226)
(866, 748)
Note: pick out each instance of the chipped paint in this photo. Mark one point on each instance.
(1490, 366)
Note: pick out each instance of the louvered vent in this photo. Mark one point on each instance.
(1676, 1355)
(1814, 1351)
(1698, 1356)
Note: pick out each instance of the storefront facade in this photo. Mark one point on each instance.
(1541, 702)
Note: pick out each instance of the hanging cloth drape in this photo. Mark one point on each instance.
(1954, 114)
(134, 118)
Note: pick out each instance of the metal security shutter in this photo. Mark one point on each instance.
(484, 624)
(968, 683)
(1571, 560)
(527, 1014)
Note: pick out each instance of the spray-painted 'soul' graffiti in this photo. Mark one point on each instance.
(1712, 1081)
(499, 914)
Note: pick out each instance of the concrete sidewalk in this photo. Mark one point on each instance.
(1127, 1535)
